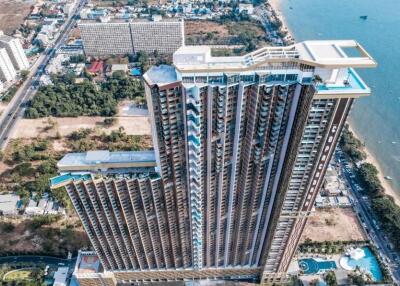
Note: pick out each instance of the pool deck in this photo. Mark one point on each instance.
(294, 265)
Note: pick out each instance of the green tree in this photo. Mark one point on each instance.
(330, 278)
(24, 74)
(358, 280)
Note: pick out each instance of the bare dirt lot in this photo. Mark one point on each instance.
(206, 32)
(332, 225)
(20, 236)
(13, 13)
(32, 128)
(204, 27)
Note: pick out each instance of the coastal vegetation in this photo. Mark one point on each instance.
(65, 98)
(352, 146)
(383, 205)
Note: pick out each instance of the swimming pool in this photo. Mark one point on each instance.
(313, 266)
(367, 263)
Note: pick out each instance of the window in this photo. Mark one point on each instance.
(291, 77)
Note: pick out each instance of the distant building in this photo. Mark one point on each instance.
(15, 51)
(120, 38)
(9, 204)
(119, 67)
(7, 70)
(156, 18)
(249, 8)
(96, 67)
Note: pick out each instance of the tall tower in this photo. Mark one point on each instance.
(251, 138)
(15, 51)
(242, 145)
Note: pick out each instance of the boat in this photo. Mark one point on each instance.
(388, 178)
(364, 17)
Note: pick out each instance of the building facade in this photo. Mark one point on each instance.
(242, 145)
(15, 52)
(120, 38)
(7, 70)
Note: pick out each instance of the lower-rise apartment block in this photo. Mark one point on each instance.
(242, 145)
(120, 38)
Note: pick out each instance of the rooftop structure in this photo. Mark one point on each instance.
(96, 67)
(108, 162)
(9, 204)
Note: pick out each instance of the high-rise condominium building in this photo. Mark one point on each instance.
(242, 145)
(15, 51)
(120, 38)
(7, 70)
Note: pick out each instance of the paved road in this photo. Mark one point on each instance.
(48, 260)
(370, 222)
(16, 107)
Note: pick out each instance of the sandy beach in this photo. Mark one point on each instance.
(276, 6)
(385, 183)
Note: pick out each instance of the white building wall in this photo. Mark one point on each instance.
(7, 71)
(16, 53)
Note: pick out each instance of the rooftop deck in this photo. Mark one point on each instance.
(106, 157)
(325, 54)
(353, 84)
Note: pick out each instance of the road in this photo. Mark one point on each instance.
(33, 259)
(369, 221)
(16, 106)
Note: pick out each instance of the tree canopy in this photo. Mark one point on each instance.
(65, 98)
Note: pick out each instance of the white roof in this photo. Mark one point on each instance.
(8, 203)
(329, 54)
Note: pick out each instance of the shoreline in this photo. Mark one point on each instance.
(276, 8)
(388, 188)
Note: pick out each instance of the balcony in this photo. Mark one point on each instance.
(353, 84)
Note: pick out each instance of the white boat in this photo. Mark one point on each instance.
(388, 178)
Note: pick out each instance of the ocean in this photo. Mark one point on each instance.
(375, 119)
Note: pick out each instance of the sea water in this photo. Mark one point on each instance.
(376, 119)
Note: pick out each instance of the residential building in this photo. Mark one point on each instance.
(121, 38)
(15, 51)
(242, 145)
(7, 70)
